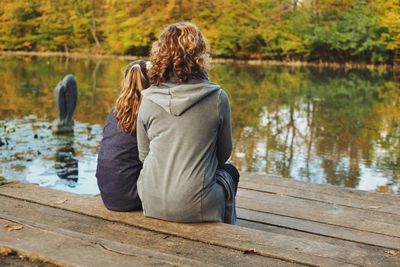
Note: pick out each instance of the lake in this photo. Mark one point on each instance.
(320, 125)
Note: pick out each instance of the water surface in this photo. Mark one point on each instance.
(332, 126)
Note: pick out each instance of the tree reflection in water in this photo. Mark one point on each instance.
(321, 125)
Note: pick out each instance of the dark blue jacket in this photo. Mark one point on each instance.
(118, 168)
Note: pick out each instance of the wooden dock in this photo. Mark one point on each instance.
(281, 223)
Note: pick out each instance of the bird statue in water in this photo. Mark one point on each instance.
(65, 97)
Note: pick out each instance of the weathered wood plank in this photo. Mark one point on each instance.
(318, 228)
(71, 249)
(376, 255)
(234, 237)
(264, 181)
(122, 233)
(338, 197)
(369, 221)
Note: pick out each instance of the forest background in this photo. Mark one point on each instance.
(362, 31)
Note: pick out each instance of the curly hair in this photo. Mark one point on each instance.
(179, 54)
(127, 104)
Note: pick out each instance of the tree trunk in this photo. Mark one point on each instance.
(396, 59)
(93, 27)
(93, 32)
(396, 63)
(181, 15)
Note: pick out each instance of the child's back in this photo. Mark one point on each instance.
(118, 167)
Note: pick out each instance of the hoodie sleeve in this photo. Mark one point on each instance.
(142, 138)
(224, 142)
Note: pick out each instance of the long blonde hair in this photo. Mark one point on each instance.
(127, 104)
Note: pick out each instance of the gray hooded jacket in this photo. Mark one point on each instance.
(184, 133)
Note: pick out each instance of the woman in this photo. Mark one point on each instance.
(184, 134)
(118, 165)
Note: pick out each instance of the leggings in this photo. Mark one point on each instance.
(233, 172)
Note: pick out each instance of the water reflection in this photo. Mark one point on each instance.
(319, 125)
(66, 164)
(33, 154)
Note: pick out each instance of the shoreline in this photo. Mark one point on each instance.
(67, 55)
(222, 60)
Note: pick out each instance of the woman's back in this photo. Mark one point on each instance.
(184, 134)
(182, 122)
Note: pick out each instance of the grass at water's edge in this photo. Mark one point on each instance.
(289, 63)
(2, 180)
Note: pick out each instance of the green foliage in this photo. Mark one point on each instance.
(354, 35)
(2, 180)
(19, 25)
(329, 30)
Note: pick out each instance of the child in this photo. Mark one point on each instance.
(118, 165)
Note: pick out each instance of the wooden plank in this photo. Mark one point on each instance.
(57, 218)
(376, 255)
(310, 210)
(338, 198)
(301, 234)
(318, 228)
(263, 181)
(70, 249)
(229, 236)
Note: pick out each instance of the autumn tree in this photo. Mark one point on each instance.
(307, 30)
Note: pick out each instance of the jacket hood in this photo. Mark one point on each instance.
(176, 98)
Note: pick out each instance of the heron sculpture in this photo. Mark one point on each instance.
(65, 97)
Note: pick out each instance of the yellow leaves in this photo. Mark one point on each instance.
(250, 251)
(293, 43)
(254, 28)
(373, 207)
(13, 227)
(62, 201)
(392, 252)
(388, 12)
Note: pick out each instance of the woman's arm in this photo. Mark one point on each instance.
(142, 138)
(224, 141)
